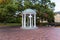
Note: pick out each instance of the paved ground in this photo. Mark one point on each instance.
(42, 33)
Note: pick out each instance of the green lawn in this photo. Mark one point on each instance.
(9, 24)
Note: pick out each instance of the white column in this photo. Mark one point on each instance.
(24, 20)
(34, 20)
(30, 20)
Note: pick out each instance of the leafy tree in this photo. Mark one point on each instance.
(42, 7)
(8, 9)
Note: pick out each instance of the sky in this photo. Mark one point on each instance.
(57, 7)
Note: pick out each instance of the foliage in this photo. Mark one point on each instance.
(8, 8)
(44, 8)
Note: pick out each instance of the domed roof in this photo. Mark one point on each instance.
(29, 11)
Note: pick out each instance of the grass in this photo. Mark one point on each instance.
(9, 24)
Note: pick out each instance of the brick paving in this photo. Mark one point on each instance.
(42, 33)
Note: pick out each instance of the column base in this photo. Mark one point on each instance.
(29, 27)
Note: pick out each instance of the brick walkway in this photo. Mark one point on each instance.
(43, 33)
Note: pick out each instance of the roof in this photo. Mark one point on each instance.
(29, 11)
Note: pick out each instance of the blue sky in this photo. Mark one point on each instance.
(57, 7)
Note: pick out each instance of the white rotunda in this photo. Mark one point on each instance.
(29, 19)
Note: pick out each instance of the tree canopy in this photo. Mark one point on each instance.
(43, 8)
